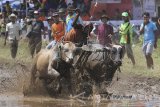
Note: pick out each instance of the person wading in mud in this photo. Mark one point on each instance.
(35, 39)
(149, 30)
(126, 33)
(13, 30)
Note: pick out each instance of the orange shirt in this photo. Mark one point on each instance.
(86, 18)
(58, 30)
(42, 18)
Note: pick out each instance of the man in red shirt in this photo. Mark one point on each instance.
(105, 31)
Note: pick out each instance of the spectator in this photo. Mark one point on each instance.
(62, 14)
(42, 15)
(105, 32)
(74, 3)
(149, 30)
(35, 40)
(23, 8)
(88, 6)
(117, 14)
(8, 8)
(70, 18)
(37, 4)
(85, 16)
(50, 22)
(62, 4)
(126, 33)
(13, 34)
(158, 26)
(2, 25)
(58, 30)
(81, 5)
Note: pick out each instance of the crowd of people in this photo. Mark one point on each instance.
(46, 7)
(60, 22)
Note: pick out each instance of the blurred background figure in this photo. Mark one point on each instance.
(2, 25)
(158, 27)
(105, 32)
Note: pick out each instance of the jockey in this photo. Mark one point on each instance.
(58, 30)
(70, 18)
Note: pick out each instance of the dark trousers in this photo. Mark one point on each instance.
(35, 44)
(13, 48)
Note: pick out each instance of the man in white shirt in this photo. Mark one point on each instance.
(13, 34)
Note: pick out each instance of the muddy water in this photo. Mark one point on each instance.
(10, 83)
(13, 100)
(19, 101)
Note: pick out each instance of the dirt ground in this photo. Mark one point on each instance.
(13, 77)
(137, 86)
(17, 76)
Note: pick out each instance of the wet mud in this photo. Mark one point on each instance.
(129, 89)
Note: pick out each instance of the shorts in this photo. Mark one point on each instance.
(128, 49)
(148, 48)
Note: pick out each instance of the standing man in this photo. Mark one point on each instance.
(13, 33)
(158, 27)
(126, 33)
(58, 30)
(35, 40)
(149, 30)
(62, 14)
(2, 25)
(8, 8)
(105, 31)
(70, 18)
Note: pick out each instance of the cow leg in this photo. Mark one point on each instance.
(53, 73)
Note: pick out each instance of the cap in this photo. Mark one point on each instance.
(70, 8)
(12, 15)
(49, 18)
(146, 14)
(105, 16)
(55, 14)
(36, 12)
(125, 14)
(61, 10)
(28, 20)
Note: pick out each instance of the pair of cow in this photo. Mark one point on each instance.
(66, 60)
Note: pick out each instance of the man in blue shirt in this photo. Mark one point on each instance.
(70, 18)
(149, 30)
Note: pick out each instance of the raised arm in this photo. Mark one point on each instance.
(76, 18)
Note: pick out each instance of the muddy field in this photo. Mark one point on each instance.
(15, 79)
(135, 86)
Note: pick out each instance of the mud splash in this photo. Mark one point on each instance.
(129, 91)
(14, 100)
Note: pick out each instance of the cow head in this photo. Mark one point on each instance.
(117, 53)
(69, 51)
